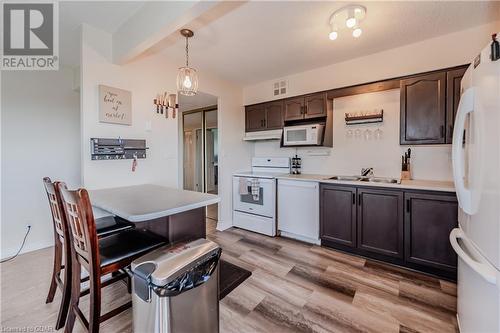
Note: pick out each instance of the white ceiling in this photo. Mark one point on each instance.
(259, 40)
(105, 15)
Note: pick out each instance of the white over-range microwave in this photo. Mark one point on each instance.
(311, 134)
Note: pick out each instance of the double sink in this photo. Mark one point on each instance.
(367, 179)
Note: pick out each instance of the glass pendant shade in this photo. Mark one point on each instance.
(187, 81)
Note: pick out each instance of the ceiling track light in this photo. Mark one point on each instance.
(348, 17)
(356, 32)
(333, 35)
(351, 21)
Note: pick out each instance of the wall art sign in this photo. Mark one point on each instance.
(115, 105)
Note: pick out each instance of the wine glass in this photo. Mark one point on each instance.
(368, 134)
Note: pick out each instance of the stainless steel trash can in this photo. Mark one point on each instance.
(175, 289)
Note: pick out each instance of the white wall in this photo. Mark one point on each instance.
(40, 137)
(445, 51)
(145, 78)
(348, 156)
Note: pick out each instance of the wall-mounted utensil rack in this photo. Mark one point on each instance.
(364, 119)
(117, 149)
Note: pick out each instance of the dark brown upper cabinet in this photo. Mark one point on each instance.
(423, 109)
(429, 219)
(306, 107)
(380, 222)
(429, 103)
(338, 215)
(315, 106)
(255, 117)
(294, 108)
(453, 80)
(274, 115)
(266, 116)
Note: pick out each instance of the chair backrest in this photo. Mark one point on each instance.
(56, 207)
(81, 224)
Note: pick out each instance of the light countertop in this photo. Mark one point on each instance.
(147, 202)
(427, 185)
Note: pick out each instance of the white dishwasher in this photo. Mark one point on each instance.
(298, 210)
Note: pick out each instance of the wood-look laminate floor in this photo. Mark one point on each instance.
(294, 287)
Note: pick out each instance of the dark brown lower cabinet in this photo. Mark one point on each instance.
(405, 227)
(429, 219)
(338, 215)
(380, 222)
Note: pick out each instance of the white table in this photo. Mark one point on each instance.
(172, 213)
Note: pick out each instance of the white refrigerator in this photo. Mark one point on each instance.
(476, 172)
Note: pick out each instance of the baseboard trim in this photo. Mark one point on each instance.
(300, 238)
(7, 253)
(224, 225)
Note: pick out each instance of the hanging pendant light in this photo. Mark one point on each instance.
(187, 78)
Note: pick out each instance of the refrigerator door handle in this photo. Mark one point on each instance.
(483, 268)
(464, 195)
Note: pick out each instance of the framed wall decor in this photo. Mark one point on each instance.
(115, 105)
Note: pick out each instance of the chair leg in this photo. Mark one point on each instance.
(95, 302)
(75, 295)
(56, 269)
(66, 294)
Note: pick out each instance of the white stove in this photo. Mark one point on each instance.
(250, 174)
(254, 194)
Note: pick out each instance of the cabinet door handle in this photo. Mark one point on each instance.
(264, 123)
(408, 205)
(442, 131)
(451, 131)
(359, 199)
(353, 199)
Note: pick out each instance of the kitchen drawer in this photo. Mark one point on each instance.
(260, 224)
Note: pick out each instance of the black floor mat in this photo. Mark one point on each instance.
(231, 276)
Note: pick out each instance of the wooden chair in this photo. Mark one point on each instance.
(99, 257)
(62, 250)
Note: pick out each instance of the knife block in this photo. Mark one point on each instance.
(406, 174)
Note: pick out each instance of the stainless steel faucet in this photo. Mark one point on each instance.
(367, 172)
